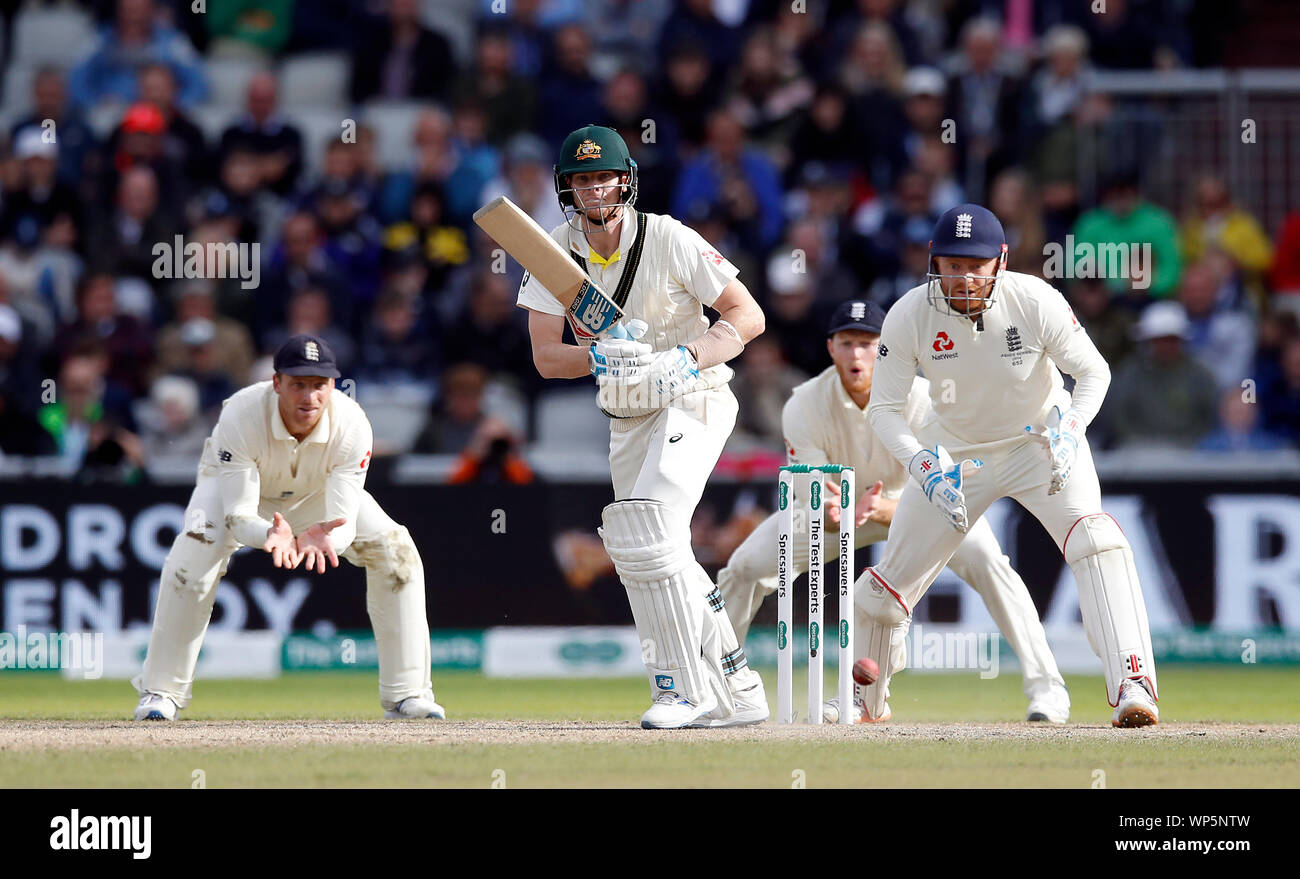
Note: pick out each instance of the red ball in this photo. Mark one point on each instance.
(865, 671)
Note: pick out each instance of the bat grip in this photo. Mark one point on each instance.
(633, 329)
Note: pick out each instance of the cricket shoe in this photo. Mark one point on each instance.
(155, 707)
(1136, 707)
(1050, 707)
(671, 711)
(831, 711)
(750, 708)
(417, 707)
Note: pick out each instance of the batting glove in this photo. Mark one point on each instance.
(621, 356)
(940, 480)
(1061, 437)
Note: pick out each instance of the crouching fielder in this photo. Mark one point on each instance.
(993, 344)
(284, 472)
(825, 422)
(670, 414)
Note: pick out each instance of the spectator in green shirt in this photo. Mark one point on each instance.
(259, 24)
(1124, 217)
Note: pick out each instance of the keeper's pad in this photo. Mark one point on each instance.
(651, 552)
(1110, 600)
(882, 621)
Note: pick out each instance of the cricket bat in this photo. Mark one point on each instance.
(591, 312)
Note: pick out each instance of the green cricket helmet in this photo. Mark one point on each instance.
(594, 148)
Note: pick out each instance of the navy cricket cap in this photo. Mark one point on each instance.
(857, 314)
(968, 230)
(305, 354)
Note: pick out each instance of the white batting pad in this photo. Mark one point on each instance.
(881, 621)
(1110, 600)
(651, 553)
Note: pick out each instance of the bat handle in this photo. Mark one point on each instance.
(634, 329)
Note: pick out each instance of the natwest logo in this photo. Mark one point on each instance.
(942, 342)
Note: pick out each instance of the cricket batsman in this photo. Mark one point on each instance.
(284, 472)
(670, 413)
(825, 422)
(993, 345)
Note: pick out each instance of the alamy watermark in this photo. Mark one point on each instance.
(954, 650)
(1083, 259)
(81, 652)
(189, 260)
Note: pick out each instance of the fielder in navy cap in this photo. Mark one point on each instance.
(305, 354)
(857, 314)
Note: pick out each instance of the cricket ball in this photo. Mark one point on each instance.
(865, 671)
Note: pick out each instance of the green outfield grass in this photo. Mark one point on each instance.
(1182, 752)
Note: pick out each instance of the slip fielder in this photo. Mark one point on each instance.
(670, 413)
(284, 471)
(825, 422)
(993, 344)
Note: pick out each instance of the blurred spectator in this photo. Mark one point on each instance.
(1239, 429)
(1125, 38)
(241, 27)
(1125, 218)
(1284, 279)
(879, 225)
(684, 91)
(813, 255)
(791, 316)
(457, 413)
(935, 159)
(492, 332)
(140, 142)
(309, 311)
(265, 133)
(394, 347)
(696, 22)
(136, 37)
(1108, 325)
(1215, 222)
(624, 31)
(19, 374)
(898, 146)
(76, 419)
(522, 32)
(183, 142)
(889, 13)
(1221, 337)
(738, 179)
(123, 243)
(442, 247)
(125, 339)
(763, 384)
(172, 427)
(1055, 90)
(913, 267)
(987, 105)
(768, 90)
(824, 133)
(1015, 203)
(301, 260)
(76, 141)
(398, 58)
(507, 99)
(233, 349)
(1279, 394)
(351, 237)
(477, 162)
(50, 205)
(20, 432)
(1161, 396)
(568, 90)
(203, 361)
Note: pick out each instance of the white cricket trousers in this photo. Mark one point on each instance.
(199, 558)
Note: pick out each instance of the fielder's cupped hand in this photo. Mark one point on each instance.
(867, 502)
(280, 543)
(314, 545)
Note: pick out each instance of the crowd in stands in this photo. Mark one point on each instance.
(813, 144)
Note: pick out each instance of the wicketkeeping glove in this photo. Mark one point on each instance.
(1061, 437)
(940, 479)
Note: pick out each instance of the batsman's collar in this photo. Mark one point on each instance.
(626, 237)
(319, 434)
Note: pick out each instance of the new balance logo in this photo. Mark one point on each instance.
(224, 456)
(963, 225)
